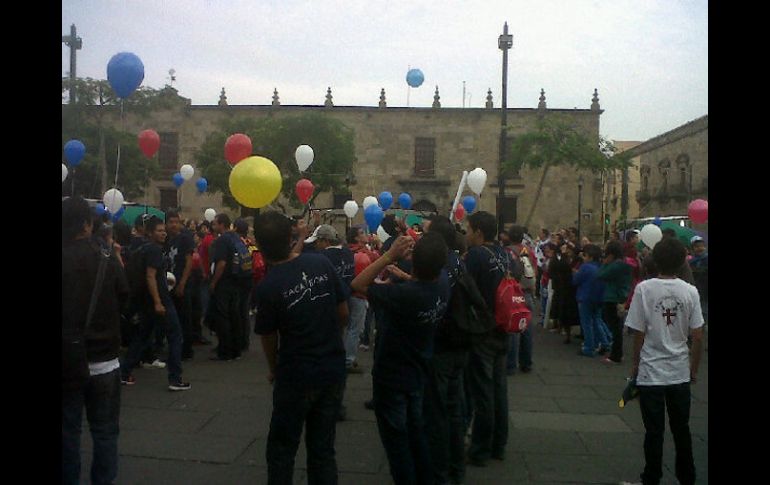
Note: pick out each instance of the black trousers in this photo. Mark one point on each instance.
(654, 401)
(227, 319)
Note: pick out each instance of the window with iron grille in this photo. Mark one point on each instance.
(168, 153)
(424, 157)
(340, 199)
(167, 199)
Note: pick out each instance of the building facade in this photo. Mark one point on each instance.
(422, 151)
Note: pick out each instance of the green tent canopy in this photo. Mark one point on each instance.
(133, 211)
(684, 234)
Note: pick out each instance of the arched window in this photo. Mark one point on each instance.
(645, 171)
(664, 167)
(683, 165)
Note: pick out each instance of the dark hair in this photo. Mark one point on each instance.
(442, 226)
(140, 219)
(273, 233)
(630, 235)
(546, 231)
(516, 233)
(485, 222)
(389, 225)
(151, 223)
(668, 232)
(75, 213)
(122, 232)
(614, 249)
(551, 246)
(172, 214)
(429, 256)
(593, 251)
(223, 218)
(353, 234)
(241, 227)
(669, 255)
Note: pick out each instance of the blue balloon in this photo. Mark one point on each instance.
(100, 209)
(405, 200)
(125, 73)
(386, 200)
(657, 221)
(415, 78)
(119, 213)
(469, 203)
(178, 179)
(202, 185)
(74, 150)
(373, 216)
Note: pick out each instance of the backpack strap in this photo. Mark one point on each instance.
(507, 271)
(104, 256)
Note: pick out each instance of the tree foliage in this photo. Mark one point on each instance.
(277, 138)
(84, 121)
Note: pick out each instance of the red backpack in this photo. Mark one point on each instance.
(511, 312)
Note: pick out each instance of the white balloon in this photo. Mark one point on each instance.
(384, 236)
(651, 234)
(113, 200)
(64, 172)
(187, 171)
(304, 156)
(477, 179)
(351, 208)
(210, 214)
(369, 201)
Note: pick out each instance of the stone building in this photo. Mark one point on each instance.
(673, 169)
(422, 151)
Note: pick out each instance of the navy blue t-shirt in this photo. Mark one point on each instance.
(344, 264)
(177, 249)
(153, 258)
(299, 299)
(222, 249)
(413, 308)
(487, 269)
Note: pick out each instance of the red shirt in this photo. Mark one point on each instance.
(204, 253)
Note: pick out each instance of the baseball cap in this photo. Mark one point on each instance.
(695, 239)
(324, 231)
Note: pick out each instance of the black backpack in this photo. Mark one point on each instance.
(468, 320)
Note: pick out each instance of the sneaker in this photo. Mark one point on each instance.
(631, 483)
(607, 360)
(363, 348)
(179, 386)
(128, 381)
(156, 364)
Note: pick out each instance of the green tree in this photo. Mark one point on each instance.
(557, 142)
(277, 138)
(85, 121)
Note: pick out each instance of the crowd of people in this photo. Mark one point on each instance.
(317, 298)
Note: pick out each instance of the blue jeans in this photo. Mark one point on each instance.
(592, 334)
(489, 391)
(149, 320)
(101, 399)
(316, 410)
(400, 422)
(521, 344)
(358, 308)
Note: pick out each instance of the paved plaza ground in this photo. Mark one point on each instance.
(565, 425)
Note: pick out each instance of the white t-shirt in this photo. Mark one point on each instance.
(665, 310)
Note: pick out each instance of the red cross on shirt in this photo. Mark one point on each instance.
(668, 316)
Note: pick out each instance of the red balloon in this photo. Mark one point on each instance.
(149, 142)
(237, 147)
(304, 189)
(459, 212)
(698, 210)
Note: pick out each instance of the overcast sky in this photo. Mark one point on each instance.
(647, 58)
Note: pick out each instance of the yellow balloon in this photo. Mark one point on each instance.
(255, 182)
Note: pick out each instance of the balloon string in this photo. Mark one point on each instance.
(123, 129)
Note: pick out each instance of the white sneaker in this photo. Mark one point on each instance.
(157, 364)
(631, 483)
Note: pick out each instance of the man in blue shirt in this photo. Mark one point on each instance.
(414, 308)
(302, 299)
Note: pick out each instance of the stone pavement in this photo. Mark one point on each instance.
(565, 425)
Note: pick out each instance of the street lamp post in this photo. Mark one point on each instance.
(504, 42)
(580, 205)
